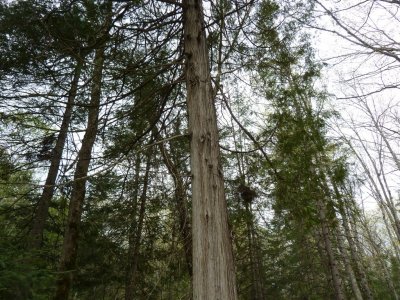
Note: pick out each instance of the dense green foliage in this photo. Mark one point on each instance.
(291, 188)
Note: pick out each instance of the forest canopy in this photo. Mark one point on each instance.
(165, 149)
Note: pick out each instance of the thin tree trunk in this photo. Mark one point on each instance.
(348, 267)
(332, 262)
(181, 207)
(389, 231)
(384, 138)
(390, 206)
(257, 288)
(378, 253)
(213, 265)
(135, 236)
(254, 274)
(69, 251)
(356, 259)
(39, 220)
(352, 247)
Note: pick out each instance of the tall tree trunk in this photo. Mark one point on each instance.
(213, 265)
(181, 207)
(356, 257)
(348, 267)
(332, 261)
(350, 239)
(39, 220)
(257, 291)
(70, 246)
(135, 236)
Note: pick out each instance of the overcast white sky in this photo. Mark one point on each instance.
(354, 70)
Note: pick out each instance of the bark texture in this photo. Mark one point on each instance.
(355, 258)
(42, 210)
(181, 207)
(213, 265)
(70, 246)
(347, 264)
(332, 261)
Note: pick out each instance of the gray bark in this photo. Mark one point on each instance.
(349, 268)
(332, 261)
(356, 259)
(213, 265)
(352, 247)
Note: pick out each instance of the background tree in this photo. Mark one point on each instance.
(158, 93)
